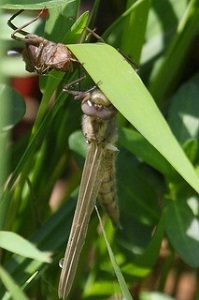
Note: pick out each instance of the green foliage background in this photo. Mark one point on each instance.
(157, 165)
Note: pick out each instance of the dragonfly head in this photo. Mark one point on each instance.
(97, 105)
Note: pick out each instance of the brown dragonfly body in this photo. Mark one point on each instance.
(40, 54)
(98, 178)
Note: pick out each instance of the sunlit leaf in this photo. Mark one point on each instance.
(163, 79)
(126, 91)
(15, 243)
(35, 4)
(125, 292)
(154, 296)
(11, 286)
(183, 115)
(182, 228)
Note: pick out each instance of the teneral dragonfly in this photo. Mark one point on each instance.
(98, 177)
(40, 54)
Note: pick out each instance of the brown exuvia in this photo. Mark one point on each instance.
(40, 54)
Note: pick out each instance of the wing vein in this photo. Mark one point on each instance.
(89, 187)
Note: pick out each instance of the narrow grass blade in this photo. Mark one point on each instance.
(11, 286)
(121, 280)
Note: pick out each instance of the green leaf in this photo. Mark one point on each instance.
(135, 26)
(77, 143)
(159, 31)
(101, 289)
(46, 237)
(191, 148)
(35, 4)
(11, 286)
(144, 263)
(167, 71)
(134, 200)
(183, 114)
(123, 87)
(182, 228)
(154, 296)
(15, 243)
(127, 25)
(123, 286)
(14, 106)
(63, 18)
(136, 144)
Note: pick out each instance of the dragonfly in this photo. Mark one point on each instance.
(98, 177)
(41, 55)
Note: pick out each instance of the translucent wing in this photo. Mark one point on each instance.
(90, 183)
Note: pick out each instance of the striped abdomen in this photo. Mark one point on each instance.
(107, 193)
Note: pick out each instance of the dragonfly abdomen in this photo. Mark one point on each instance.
(107, 193)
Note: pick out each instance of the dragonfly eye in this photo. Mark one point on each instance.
(98, 111)
(98, 97)
(97, 105)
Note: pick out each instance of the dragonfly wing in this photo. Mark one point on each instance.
(89, 187)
